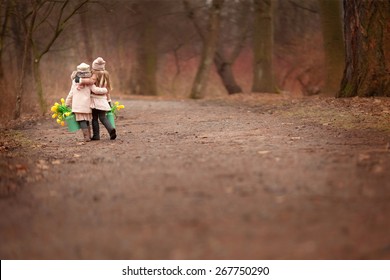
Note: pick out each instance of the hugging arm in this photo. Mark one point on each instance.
(87, 81)
(98, 90)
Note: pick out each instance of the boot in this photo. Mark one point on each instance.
(110, 129)
(113, 134)
(86, 134)
(95, 130)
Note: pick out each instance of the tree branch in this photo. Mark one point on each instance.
(303, 7)
(60, 25)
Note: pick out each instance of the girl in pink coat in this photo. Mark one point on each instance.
(79, 99)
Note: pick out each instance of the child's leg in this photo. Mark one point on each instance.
(83, 124)
(95, 125)
(85, 128)
(89, 130)
(111, 130)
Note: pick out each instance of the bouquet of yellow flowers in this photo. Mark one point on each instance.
(61, 111)
(64, 115)
(112, 114)
(116, 107)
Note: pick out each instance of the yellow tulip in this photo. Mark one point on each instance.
(54, 116)
(62, 101)
(54, 109)
(68, 114)
(62, 123)
(116, 103)
(121, 106)
(56, 104)
(58, 121)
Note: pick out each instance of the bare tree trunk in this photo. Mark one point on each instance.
(367, 39)
(4, 25)
(225, 71)
(19, 31)
(333, 44)
(25, 65)
(263, 80)
(38, 85)
(147, 59)
(223, 63)
(144, 81)
(86, 37)
(209, 47)
(20, 91)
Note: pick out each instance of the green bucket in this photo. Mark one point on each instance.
(111, 118)
(71, 122)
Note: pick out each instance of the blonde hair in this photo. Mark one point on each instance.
(103, 79)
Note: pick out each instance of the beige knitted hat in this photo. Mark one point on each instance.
(83, 67)
(83, 70)
(99, 64)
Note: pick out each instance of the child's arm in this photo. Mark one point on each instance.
(88, 81)
(69, 98)
(98, 90)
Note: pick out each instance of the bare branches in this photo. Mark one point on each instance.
(191, 15)
(46, 14)
(300, 6)
(61, 22)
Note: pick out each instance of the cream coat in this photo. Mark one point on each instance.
(80, 99)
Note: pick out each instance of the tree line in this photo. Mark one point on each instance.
(194, 47)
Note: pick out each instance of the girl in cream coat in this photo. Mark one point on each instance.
(79, 99)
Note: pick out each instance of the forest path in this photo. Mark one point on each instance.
(210, 179)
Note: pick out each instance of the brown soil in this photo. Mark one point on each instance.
(246, 177)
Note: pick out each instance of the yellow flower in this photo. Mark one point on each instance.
(67, 114)
(121, 106)
(58, 121)
(54, 109)
(62, 123)
(116, 103)
(56, 104)
(54, 116)
(62, 101)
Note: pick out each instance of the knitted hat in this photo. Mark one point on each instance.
(83, 70)
(98, 64)
(83, 67)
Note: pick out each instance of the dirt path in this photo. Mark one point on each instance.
(210, 179)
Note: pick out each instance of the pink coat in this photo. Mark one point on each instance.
(99, 102)
(80, 99)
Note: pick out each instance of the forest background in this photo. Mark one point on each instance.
(266, 174)
(158, 47)
(181, 48)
